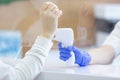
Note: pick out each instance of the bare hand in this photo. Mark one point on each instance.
(49, 15)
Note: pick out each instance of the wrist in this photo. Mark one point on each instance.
(48, 36)
(85, 60)
(82, 58)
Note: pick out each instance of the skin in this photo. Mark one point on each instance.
(49, 15)
(37, 13)
(102, 55)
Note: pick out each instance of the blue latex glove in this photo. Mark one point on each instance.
(82, 58)
(65, 53)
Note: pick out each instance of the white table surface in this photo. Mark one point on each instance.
(55, 69)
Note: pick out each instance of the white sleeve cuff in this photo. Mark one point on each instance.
(43, 43)
(32, 64)
(41, 47)
(114, 39)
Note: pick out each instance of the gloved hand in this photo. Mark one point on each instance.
(82, 58)
(65, 53)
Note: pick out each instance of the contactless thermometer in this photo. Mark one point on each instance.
(66, 36)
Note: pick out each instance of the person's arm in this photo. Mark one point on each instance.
(109, 50)
(102, 55)
(31, 65)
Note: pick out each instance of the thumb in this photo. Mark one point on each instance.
(71, 48)
(60, 44)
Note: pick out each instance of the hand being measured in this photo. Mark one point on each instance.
(49, 14)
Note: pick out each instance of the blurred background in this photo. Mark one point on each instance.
(91, 20)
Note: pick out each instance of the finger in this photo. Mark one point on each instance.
(45, 6)
(63, 58)
(70, 48)
(60, 45)
(53, 8)
(55, 11)
(50, 5)
(64, 50)
(60, 13)
(65, 55)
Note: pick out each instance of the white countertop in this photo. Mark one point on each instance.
(55, 69)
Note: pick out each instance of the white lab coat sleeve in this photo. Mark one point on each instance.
(4, 68)
(114, 39)
(31, 65)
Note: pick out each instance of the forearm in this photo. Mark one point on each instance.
(33, 62)
(111, 48)
(102, 55)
